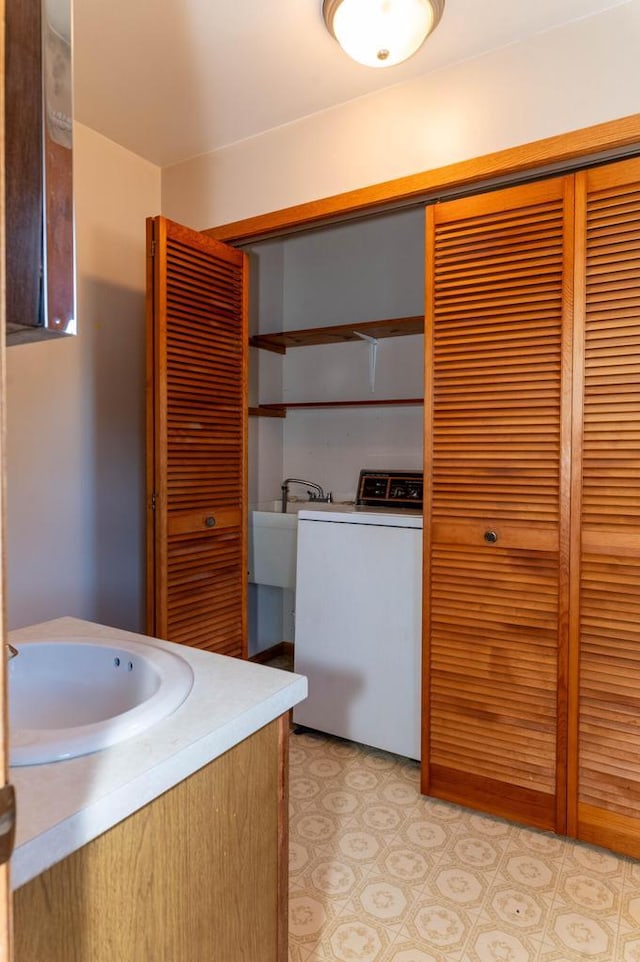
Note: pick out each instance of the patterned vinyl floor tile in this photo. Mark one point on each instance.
(379, 873)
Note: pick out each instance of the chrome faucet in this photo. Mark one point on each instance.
(319, 496)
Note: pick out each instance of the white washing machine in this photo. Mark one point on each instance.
(358, 625)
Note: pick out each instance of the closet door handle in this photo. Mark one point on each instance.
(490, 537)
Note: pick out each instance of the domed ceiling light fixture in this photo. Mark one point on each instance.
(381, 33)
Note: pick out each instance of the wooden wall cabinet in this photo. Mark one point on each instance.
(199, 874)
(40, 256)
(532, 554)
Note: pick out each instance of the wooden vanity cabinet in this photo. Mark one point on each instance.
(198, 874)
(532, 464)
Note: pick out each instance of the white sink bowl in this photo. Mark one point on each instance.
(70, 698)
(272, 548)
(273, 541)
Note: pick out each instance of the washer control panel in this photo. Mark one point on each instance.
(390, 489)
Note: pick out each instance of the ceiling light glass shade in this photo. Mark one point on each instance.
(381, 33)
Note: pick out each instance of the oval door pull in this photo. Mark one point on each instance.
(490, 537)
(210, 521)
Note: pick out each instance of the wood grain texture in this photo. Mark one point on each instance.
(279, 409)
(338, 333)
(599, 826)
(151, 304)
(282, 648)
(571, 148)
(573, 689)
(493, 795)
(195, 876)
(606, 588)
(197, 393)
(427, 495)
(268, 411)
(282, 935)
(496, 470)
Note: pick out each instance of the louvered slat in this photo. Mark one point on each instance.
(609, 619)
(495, 348)
(199, 343)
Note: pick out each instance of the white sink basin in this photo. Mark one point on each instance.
(272, 548)
(70, 698)
(273, 541)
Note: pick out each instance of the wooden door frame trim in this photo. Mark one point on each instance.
(575, 548)
(600, 142)
(150, 447)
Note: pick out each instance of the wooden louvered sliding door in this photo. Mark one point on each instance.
(605, 703)
(497, 439)
(197, 416)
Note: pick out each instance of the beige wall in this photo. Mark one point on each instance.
(75, 411)
(568, 78)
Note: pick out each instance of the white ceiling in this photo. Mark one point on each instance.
(170, 79)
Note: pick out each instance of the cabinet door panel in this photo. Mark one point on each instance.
(606, 584)
(496, 476)
(197, 429)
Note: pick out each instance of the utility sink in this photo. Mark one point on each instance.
(272, 548)
(273, 540)
(70, 698)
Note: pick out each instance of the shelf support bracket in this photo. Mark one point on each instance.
(373, 356)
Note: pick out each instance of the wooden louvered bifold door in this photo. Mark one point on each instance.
(197, 337)
(497, 439)
(605, 800)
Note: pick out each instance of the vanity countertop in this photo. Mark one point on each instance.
(63, 805)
